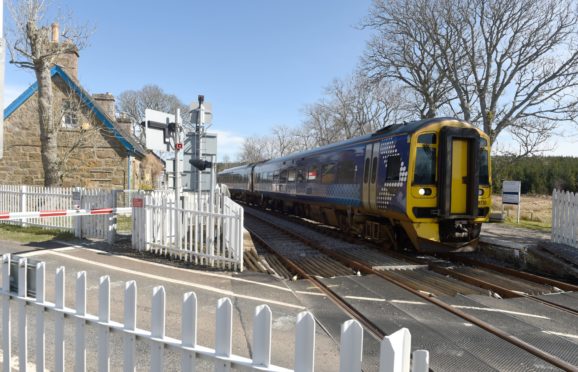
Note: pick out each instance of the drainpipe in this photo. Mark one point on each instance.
(129, 172)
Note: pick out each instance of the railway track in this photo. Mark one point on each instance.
(315, 256)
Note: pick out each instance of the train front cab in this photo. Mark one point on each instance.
(449, 193)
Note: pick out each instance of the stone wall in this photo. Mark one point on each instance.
(95, 157)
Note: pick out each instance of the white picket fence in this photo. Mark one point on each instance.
(16, 198)
(394, 355)
(192, 232)
(565, 218)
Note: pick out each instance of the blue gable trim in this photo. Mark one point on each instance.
(20, 100)
(86, 99)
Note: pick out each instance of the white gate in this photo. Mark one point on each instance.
(205, 235)
(565, 218)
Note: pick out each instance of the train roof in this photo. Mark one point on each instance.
(390, 130)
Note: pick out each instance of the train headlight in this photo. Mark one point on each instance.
(424, 191)
(480, 192)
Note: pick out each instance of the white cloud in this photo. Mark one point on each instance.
(228, 144)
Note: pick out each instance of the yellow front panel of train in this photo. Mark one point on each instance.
(459, 176)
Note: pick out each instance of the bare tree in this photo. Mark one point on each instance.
(134, 102)
(31, 46)
(402, 51)
(354, 107)
(254, 149)
(509, 64)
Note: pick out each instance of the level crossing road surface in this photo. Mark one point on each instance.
(453, 343)
(246, 291)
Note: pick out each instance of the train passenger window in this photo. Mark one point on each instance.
(312, 173)
(328, 173)
(346, 172)
(393, 167)
(374, 169)
(291, 175)
(366, 171)
(300, 175)
(283, 176)
(427, 138)
(425, 166)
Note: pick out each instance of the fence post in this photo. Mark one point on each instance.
(305, 342)
(40, 297)
(78, 220)
(22, 321)
(395, 352)
(189, 331)
(351, 351)
(223, 337)
(59, 361)
(104, 320)
(157, 328)
(420, 361)
(6, 326)
(23, 204)
(130, 296)
(262, 336)
(80, 342)
(112, 221)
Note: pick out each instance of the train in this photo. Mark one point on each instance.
(422, 185)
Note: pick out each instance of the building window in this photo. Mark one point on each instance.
(69, 114)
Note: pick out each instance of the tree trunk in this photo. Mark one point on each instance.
(48, 130)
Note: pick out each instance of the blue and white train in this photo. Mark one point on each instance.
(423, 184)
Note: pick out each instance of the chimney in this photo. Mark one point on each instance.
(55, 32)
(68, 60)
(124, 122)
(106, 102)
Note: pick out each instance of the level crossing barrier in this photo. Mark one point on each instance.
(53, 318)
(22, 198)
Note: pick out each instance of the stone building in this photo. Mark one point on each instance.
(96, 149)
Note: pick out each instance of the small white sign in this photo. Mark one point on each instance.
(511, 192)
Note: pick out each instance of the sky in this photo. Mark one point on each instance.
(259, 62)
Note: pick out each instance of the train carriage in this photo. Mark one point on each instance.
(424, 184)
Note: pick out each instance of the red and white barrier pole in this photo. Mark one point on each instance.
(6, 216)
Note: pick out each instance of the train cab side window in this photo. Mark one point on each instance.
(328, 173)
(346, 172)
(427, 139)
(312, 173)
(425, 166)
(484, 177)
(393, 168)
(366, 171)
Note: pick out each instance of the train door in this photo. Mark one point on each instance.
(459, 172)
(370, 168)
(458, 203)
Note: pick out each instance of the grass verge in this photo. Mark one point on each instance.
(32, 234)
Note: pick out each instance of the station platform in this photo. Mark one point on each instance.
(530, 250)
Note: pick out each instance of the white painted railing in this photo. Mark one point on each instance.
(394, 355)
(16, 198)
(205, 235)
(565, 218)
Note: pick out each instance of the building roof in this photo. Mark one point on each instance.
(129, 143)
